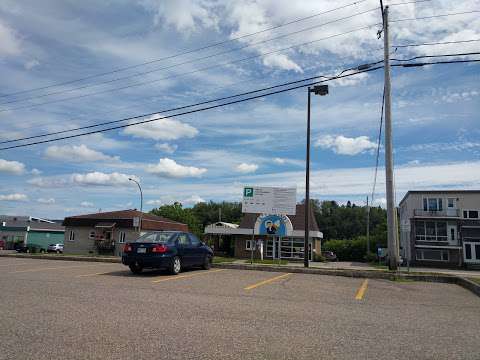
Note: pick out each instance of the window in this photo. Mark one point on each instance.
(249, 245)
(471, 214)
(452, 234)
(432, 204)
(194, 240)
(432, 255)
(71, 235)
(468, 251)
(91, 235)
(451, 203)
(183, 239)
(431, 231)
(121, 237)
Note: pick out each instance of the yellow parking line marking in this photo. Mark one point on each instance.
(53, 268)
(264, 282)
(361, 290)
(175, 277)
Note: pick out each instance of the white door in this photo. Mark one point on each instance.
(451, 207)
(452, 234)
(471, 252)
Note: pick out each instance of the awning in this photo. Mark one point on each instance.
(105, 225)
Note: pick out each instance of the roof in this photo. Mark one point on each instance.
(22, 222)
(451, 191)
(298, 220)
(124, 218)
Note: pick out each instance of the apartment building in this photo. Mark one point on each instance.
(441, 227)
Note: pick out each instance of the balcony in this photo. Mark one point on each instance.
(449, 213)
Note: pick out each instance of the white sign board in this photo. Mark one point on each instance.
(269, 200)
(136, 221)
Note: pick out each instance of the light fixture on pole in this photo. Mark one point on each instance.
(321, 90)
(141, 203)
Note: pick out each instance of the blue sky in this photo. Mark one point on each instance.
(210, 155)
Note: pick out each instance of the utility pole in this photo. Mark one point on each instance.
(307, 188)
(391, 213)
(368, 228)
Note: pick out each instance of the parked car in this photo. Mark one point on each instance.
(169, 250)
(58, 248)
(21, 248)
(330, 255)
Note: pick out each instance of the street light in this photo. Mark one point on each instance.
(141, 203)
(321, 90)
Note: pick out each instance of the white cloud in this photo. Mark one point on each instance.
(9, 40)
(165, 147)
(46, 201)
(345, 146)
(162, 129)
(102, 179)
(279, 160)
(14, 197)
(35, 172)
(185, 15)
(192, 200)
(87, 204)
(76, 153)
(155, 202)
(12, 167)
(245, 168)
(31, 64)
(169, 168)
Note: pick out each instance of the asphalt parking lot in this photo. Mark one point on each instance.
(85, 310)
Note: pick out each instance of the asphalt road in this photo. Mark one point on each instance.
(83, 310)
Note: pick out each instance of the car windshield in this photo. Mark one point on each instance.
(160, 237)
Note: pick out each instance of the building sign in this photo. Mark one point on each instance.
(275, 225)
(269, 200)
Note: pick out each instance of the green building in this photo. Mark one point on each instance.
(29, 231)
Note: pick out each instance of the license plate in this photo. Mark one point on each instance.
(141, 250)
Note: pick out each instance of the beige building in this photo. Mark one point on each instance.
(107, 232)
(441, 227)
(284, 238)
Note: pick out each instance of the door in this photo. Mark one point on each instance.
(471, 252)
(452, 234)
(185, 250)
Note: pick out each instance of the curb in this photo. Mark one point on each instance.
(369, 274)
(65, 257)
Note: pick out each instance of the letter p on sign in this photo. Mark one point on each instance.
(248, 192)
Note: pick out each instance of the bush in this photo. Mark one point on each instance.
(370, 257)
(349, 250)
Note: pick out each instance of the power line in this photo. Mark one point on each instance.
(435, 43)
(186, 52)
(190, 72)
(361, 67)
(436, 56)
(186, 62)
(234, 102)
(436, 16)
(190, 111)
(198, 59)
(379, 140)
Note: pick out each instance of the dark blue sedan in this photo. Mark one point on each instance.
(170, 250)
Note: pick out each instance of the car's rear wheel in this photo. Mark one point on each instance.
(42, 251)
(207, 262)
(58, 251)
(176, 266)
(136, 268)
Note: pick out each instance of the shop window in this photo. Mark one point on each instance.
(71, 235)
(121, 237)
(249, 245)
